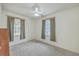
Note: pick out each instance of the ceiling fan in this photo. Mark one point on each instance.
(36, 10)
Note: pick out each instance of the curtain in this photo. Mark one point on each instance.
(52, 29)
(22, 29)
(43, 29)
(10, 25)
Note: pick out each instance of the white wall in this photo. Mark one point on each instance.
(67, 29)
(2, 19)
(0, 12)
(34, 28)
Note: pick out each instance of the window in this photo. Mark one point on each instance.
(47, 29)
(16, 27)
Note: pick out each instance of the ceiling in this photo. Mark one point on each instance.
(26, 8)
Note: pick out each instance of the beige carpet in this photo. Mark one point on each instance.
(37, 48)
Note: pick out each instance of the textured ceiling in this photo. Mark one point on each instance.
(26, 8)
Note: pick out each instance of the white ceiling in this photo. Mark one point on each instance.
(26, 8)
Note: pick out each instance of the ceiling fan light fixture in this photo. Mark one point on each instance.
(36, 10)
(36, 14)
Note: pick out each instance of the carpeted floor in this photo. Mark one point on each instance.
(37, 48)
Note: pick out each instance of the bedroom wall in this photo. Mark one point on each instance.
(67, 29)
(34, 30)
(2, 20)
(0, 14)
